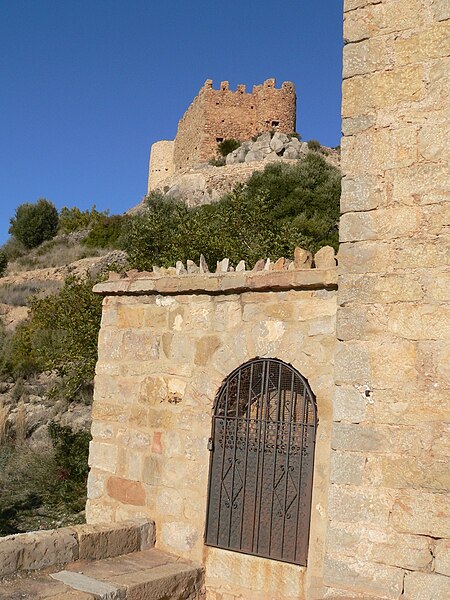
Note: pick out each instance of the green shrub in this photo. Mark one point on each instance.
(71, 462)
(105, 232)
(279, 208)
(60, 334)
(224, 148)
(3, 262)
(34, 223)
(314, 145)
(217, 162)
(74, 219)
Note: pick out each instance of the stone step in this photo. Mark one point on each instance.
(146, 575)
(149, 574)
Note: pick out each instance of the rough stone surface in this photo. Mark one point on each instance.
(388, 503)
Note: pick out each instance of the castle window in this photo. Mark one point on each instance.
(261, 464)
(275, 123)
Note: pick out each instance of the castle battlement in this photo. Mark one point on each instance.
(218, 114)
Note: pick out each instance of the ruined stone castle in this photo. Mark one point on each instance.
(215, 115)
(286, 426)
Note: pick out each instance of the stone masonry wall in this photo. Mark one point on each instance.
(223, 113)
(165, 346)
(389, 526)
(161, 163)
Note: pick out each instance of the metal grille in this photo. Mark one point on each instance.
(261, 467)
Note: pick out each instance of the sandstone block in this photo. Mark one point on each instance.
(418, 512)
(97, 542)
(441, 10)
(103, 456)
(126, 491)
(349, 404)
(379, 224)
(425, 586)
(418, 322)
(368, 506)
(432, 42)
(382, 89)
(364, 192)
(364, 577)
(402, 472)
(302, 259)
(352, 363)
(347, 467)
(442, 557)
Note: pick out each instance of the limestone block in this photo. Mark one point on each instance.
(432, 42)
(425, 586)
(411, 183)
(366, 56)
(380, 224)
(352, 125)
(37, 550)
(101, 541)
(361, 322)
(103, 456)
(422, 321)
(206, 346)
(382, 89)
(95, 484)
(347, 467)
(178, 536)
(403, 472)
(441, 10)
(384, 288)
(364, 577)
(377, 438)
(365, 192)
(349, 404)
(351, 504)
(419, 512)
(352, 363)
(442, 557)
(139, 344)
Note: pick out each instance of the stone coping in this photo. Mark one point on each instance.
(41, 549)
(221, 283)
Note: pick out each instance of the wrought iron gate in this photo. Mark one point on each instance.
(261, 467)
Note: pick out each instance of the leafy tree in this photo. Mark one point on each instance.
(3, 262)
(34, 223)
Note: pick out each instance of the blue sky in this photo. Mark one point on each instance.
(86, 86)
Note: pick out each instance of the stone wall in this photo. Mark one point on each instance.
(161, 163)
(389, 530)
(215, 115)
(166, 344)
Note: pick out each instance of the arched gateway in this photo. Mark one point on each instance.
(261, 466)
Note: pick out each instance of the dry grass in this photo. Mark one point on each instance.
(19, 294)
(21, 423)
(3, 422)
(54, 253)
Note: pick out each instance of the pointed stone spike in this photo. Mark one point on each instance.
(181, 269)
(291, 266)
(203, 265)
(324, 258)
(267, 265)
(156, 270)
(302, 258)
(259, 265)
(240, 266)
(192, 267)
(279, 264)
(224, 265)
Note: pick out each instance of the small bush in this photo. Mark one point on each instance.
(3, 262)
(34, 223)
(294, 135)
(314, 145)
(224, 148)
(71, 460)
(74, 219)
(105, 232)
(217, 162)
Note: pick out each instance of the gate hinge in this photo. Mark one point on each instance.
(210, 445)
